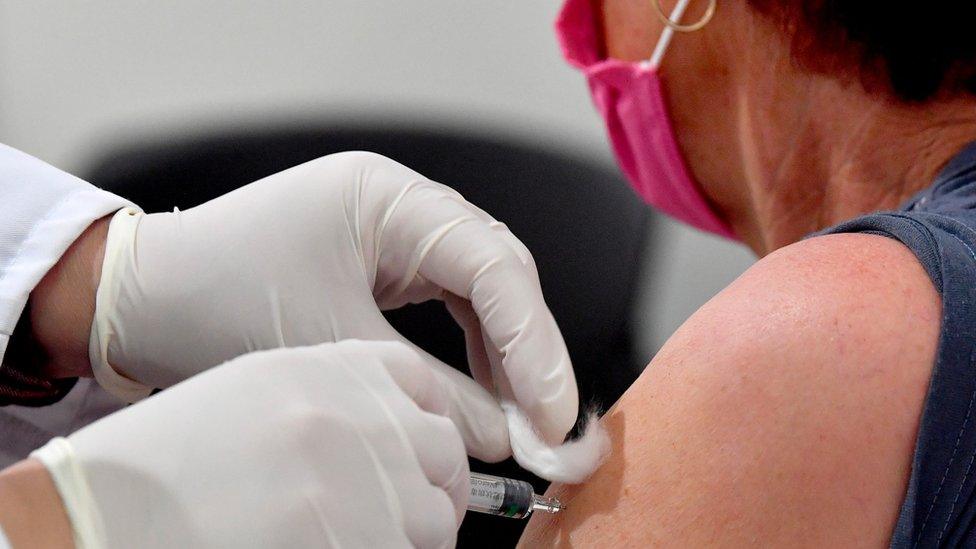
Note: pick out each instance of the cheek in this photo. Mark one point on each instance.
(630, 28)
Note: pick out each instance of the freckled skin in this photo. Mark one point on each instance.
(783, 413)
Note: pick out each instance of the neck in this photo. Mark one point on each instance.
(840, 153)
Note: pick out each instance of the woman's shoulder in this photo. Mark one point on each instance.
(826, 308)
(846, 262)
(793, 393)
(835, 294)
(856, 284)
(867, 314)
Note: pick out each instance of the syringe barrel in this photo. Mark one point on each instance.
(500, 496)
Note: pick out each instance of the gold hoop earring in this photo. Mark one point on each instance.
(678, 27)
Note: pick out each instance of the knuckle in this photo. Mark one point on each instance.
(446, 516)
(301, 423)
(378, 348)
(346, 168)
(500, 258)
(492, 449)
(450, 437)
(491, 441)
(430, 519)
(447, 190)
(353, 157)
(521, 251)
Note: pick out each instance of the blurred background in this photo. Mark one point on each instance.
(174, 102)
(78, 79)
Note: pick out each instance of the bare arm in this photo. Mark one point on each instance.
(30, 509)
(784, 412)
(63, 305)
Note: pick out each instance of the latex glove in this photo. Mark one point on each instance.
(312, 254)
(337, 445)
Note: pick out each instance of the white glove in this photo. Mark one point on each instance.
(311, 255)
(337, 445)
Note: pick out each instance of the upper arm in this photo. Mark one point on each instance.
(784, 411)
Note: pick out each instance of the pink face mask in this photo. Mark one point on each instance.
(630, 99)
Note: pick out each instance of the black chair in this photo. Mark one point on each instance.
(584, 227)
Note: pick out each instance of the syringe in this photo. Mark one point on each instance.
(506, 497)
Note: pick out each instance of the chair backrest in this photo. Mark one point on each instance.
(584, 227)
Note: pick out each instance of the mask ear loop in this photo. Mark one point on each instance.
(674, 25)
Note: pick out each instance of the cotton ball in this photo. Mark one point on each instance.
(569, 463)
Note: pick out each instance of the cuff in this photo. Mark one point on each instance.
(43, 246)
(125, 220)
(58, 457)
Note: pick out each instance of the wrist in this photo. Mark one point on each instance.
(31, 511)
(62, 306)
(22, 379)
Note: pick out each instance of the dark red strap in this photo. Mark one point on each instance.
(20, 381)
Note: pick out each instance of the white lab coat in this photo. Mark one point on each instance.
(42, 211)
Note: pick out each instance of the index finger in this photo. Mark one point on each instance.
(467, 257)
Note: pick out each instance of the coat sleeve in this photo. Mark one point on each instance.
(42, 211)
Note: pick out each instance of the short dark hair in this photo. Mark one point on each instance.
(914, 50)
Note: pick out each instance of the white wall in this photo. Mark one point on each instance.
(75, 75)
(73, 71)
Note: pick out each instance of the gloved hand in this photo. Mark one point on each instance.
(336, 445)
(312, 254)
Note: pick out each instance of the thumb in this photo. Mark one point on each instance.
(477, 415)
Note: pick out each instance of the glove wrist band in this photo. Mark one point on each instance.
(58, 457)
(121, 233)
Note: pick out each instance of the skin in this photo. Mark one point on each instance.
(784, 412)
(63, 304)
(30, 508)
(779, 151)
(62, 309)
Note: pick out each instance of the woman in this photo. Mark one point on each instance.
(826, 397)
